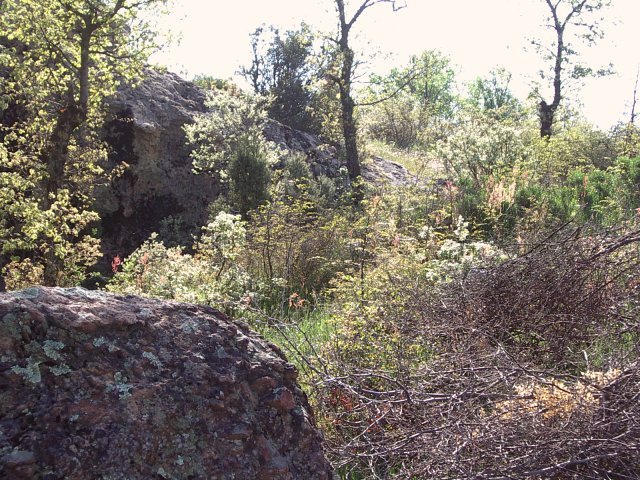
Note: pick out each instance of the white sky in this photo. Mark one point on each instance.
(477, 35)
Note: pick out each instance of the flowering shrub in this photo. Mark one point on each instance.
(210, 276)
(216, 135)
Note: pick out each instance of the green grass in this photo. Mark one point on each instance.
(302, 336)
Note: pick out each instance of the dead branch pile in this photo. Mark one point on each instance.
(532, 371)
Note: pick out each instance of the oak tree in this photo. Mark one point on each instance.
(61, 59)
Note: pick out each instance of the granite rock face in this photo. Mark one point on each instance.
(150, 170)
(94, 385)
(151, 173)
(381, 171)
(321, 157)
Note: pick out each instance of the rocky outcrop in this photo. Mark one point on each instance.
(94, 385)
(152, 185)
(149, 164)
(150, 169)
(381, 171)
(322, 157)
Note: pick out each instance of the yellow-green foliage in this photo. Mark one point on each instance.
(215, 136)
(46, 214)
(376, 300)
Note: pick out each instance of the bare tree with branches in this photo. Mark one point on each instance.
(565, 16)
(344, 79)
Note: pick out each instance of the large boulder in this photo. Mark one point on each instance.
(151, 172)
(152, 186)
(94, 385)
(321, 157)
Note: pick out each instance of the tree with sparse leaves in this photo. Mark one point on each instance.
(343, 77)
(569, 20)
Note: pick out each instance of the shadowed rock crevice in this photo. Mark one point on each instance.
(94, 385)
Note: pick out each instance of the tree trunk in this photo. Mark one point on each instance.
(56, 159)
(546, 113)
(3, 263)
(349, 127)
(349, 131)
(69, 120)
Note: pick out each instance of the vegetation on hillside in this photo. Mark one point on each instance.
(480, 322)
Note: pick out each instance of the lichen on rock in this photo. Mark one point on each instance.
(94, 385)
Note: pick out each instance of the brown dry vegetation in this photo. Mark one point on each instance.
(529, 370)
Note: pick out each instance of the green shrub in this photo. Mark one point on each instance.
(628, 170)
(249, 175)
(293, 250)
(210, 276)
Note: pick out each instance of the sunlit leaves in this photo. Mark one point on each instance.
(60, 56)
(215, 135)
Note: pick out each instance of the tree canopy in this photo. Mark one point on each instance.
(285, 67)
(62, 58)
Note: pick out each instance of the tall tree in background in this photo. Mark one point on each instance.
(634, 100)
(344, 78)
(61, 59)
(569, 20)
(283, 66)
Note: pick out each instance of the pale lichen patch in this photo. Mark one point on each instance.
(121, 386)
(30, 373)
(58, 370)
(155, 361)
(52, 349)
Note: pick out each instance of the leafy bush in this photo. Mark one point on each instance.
(606, 196)
(210, 276)
(217, 135)
(293, 251)
(30, 236)
(482, 146)
(412, 104)
(249, 175)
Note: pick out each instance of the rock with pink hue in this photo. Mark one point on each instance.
(98, 386)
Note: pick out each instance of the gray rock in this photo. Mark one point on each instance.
(382, 171)
(322, 157)
(18, 458)
(151, 171)
(103, 386)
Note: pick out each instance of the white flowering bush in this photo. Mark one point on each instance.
(481, 146)
(216, 135)
(211, 275)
